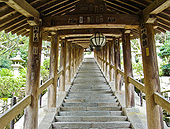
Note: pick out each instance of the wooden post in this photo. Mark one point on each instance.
(111, 57)
(151, 76)
(70, 54)
(105, 60)
(72, 60)
(117, 63)
(129, 88)
(52, 90)
(63, 64)
(33, 77)
(108, 60)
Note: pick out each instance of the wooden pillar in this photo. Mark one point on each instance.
(129, 88)
(151, 76)
(63, 64)
(53, 71)
(72, 60)
(70, 54)
(110, 61)
(33, 77)
(117, 63)
(108, 65)
(105, 60)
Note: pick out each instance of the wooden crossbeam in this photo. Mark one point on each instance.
(89, 31)
(156, 7)
(82, 21)
(23, 7)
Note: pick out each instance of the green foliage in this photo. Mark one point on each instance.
(45, 70)
(9, 46)
(166, 70)
(46, 63)
(5, 62)
(6, 72)
(10, 86)
(138, 68)
(165, 54)
(165, 51)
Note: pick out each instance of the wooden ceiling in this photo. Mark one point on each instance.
(16, 14)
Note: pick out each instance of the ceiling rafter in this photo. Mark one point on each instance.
(20, 28)
(163, 22)
(62, 7)
(163, 17)
(62, 11)
(24, 8)
(126, 3)
(122, 7)
(163, 27)
(14, 15)
(117, 9)
(53, 4)
(12, 23)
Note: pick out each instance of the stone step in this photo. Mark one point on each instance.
(92, 104)
(90, 118)
(89, 100)
(82, 108)
(91, 97)
(91, 92)
(90, 113)
(86, 90)
(87, 125)
(82, 86)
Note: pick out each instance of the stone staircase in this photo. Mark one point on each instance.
(90, 103)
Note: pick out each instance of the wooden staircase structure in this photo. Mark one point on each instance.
(69, 24)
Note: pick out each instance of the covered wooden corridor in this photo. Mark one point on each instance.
(69, 25)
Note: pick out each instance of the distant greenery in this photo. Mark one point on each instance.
(9, 46)
(165, 54)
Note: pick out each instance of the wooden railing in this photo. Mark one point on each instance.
(158, 98)
(10, 114)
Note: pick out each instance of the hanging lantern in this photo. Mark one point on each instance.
(98, 40)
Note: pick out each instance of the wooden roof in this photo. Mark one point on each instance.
(17, 15)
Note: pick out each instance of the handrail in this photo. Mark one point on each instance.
(158, 98)
(59, 73)
(121, 72)
(161, 101)
(137, 84)
(45, 85)
(165, 91)
(10, 114)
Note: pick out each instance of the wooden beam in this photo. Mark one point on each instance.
(122, 7)
(156, 7)
(114, 31)
(23, 7)
(91, 21)
(61, 8)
